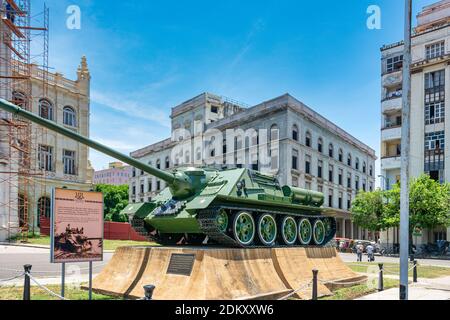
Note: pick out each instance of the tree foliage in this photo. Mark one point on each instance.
(429, 206)
(115, 200)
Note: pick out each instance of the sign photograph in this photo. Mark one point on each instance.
(77, 226)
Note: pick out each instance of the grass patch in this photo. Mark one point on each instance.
(108, 244)
(16, 293)
(392, 268)
(361, 290)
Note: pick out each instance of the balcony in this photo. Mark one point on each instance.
(392, 79)
(388, 163)
(391, 133)
(391, 104)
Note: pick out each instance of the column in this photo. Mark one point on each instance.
(343, 228)
(352, 235)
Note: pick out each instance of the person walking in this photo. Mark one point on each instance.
(370, 253)
(359, 251)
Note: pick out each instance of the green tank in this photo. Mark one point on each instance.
(235, 207)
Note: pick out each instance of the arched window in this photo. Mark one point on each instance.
(45, 109)
(44, 207)
(364, 168)
(69, 116)
(320, 145)
(295, 132)
(167, 162)
(308, 139)
(19, 99)
(357, 163)
(349, 160)
(371, 171)
(331, 150)
(341, 155)
(158, 164)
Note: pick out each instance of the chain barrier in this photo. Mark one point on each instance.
(45, 288)
(295, 291)
(13, 278)
(341, 282)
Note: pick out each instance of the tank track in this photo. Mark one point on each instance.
(207, 222)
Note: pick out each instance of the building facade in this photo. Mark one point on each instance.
(117, 174)
(311, 151)
(430, 94)
(61, 162)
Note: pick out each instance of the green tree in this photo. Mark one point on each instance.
(115, 200)
(368, 210)
(429, 206)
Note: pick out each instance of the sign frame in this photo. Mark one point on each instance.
(52, 229)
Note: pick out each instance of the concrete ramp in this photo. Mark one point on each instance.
(216, 274)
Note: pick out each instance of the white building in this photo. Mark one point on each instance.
(313, 152)
(430, 94)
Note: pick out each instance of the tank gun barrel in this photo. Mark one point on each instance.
(15, 110)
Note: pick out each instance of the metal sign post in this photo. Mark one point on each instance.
(63, 278)
(405, 141)
(90, 280)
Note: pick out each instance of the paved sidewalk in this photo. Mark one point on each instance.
(425, 289)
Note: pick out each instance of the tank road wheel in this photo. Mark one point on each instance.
(244, 228)
(288, 229)
(304, 231)
(222, 221)
(267, 229)
(319, 232)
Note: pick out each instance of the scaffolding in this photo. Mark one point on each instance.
(23, 79)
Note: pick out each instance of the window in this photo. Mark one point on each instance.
(45, 158)
(341, 174)
(340, 200)
(294, 159)
(349, 180)
(274, 133)
(45, 109)
(133, 190)
(214, 109)
(294, 181)
(158, 185)
(44, 207)
(319, 168)
(364, 185)
(69, 116)
(330, 198)
(308, 139)
(330, 173)
(150, 185)
(394, 63)
(356, 183)
(187, 157)
(320, 188)
(19, 99)
(69, 162)
(331, 151)
(435, 50)
(308, 185)
(142, 187)
(349, 201)
(435, 140)
(320, 145)
(371, 171)
(295, 132)
(134, 172)
(308, 164)
(167, 162)
(435, 97)
(364, 167)
(357, 164)
(158, 164)
(341, 155)
(349, 160)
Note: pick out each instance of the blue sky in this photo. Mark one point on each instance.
(147, 56)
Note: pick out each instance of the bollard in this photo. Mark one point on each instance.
(314, 284)
(380, 278)
(411, 258)
(148, 292)
(26, 284)
(415, 271)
